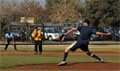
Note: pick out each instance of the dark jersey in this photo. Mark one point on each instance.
(85, 34)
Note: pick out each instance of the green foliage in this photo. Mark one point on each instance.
(50, 3)
(33, 8)
(4, 22)
(103, 13)
(63, 11)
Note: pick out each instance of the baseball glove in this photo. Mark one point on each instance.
(62, 37)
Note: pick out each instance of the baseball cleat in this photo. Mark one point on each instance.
(102, 61)
(35, 53)
(40, 52)
(62, 63)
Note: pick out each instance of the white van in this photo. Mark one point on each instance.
(52, 33)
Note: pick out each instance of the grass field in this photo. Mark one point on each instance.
(21, 60)
(57, 48)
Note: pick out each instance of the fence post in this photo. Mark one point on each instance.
(27, 32)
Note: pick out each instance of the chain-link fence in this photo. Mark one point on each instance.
(22, 33)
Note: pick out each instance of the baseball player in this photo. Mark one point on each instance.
(38, 40)
(10, 37)
(82, 42)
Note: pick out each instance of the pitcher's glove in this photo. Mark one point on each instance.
(62, 37)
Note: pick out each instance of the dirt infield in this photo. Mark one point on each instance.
(112, 54)
(72, 66)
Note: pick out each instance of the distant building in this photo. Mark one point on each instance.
(27, 20)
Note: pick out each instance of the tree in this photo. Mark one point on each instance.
(116, 9)
(14, 14)
(102, 13)
(4, 23)
(63, 11)
(50, 3)
(34, 9)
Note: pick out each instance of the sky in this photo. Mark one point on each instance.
(42, 2)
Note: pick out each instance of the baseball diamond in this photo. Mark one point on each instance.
(59, 35)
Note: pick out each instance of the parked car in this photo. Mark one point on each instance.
(52, 33)
(117, 35)
(107, 30)
(16, 34)
(94, 37)
(71, 36)
(102, 37)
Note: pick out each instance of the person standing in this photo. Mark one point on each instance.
(38, 40)
(10, 37)
(82, 42)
